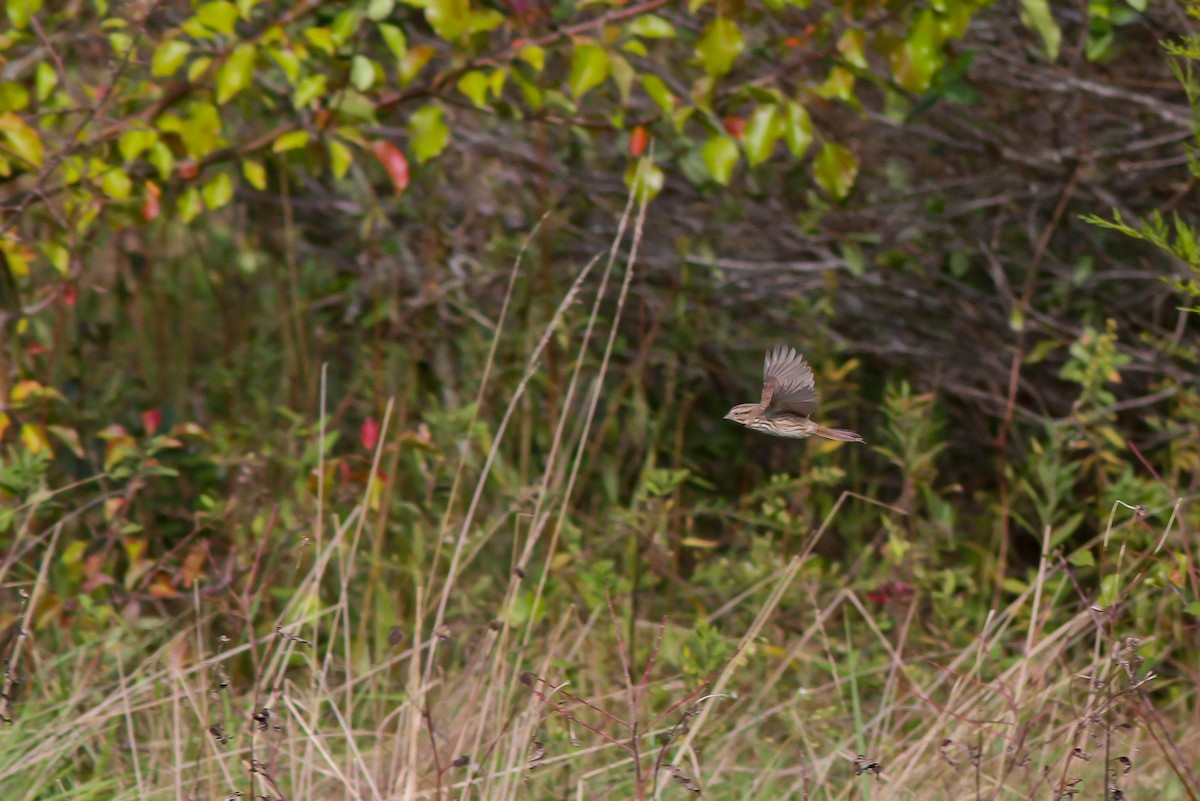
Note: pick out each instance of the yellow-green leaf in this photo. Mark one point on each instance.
(762, 131)
(623, 75)
(428, 132)
(236, 73)
(644, 179)
(198, 68)
(45, 80)
(190, 204)
(651, 26)
(344, 25)
(309, 89)
(448, 18)
(380, 9)
(1035, 14)
(720, 156)
(135, 141)
(288, 61)
(218, 191)
(414, 61)
(835, 170)
(33, 437)
(394, 38)
(340, 158)
(720, 45)
(474, 85)
(13, 96)
(255, 174)
(658, 92)
(219, 15)
(362, 73)
(916, 61)
(116, 184)
(797, 129)
(534, 56)
(589, 68)
(168, 58)
(163, 160)
(321, 38)
(21, 11)
(58, 256)
(23, 139)
(290, 141)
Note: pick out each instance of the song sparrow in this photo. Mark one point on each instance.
(788, 398)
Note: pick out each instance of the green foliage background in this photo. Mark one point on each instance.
(259, 258)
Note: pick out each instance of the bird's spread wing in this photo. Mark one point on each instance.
(788, 383)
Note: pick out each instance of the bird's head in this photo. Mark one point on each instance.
(743, 413)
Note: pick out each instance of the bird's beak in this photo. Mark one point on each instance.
(729, 415)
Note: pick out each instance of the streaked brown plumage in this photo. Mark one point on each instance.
(788, 399)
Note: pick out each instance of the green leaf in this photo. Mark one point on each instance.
(644, 179)
(197, 69)
(288, 61)
(797, 129)
(380, 9)
(589, 68)
(309, 90)
(255, 174)
(1035, 15)
(23, 139)
(135, 141)
(21, 11)
(190, 204)
(116, 184)
(321, 38)
(290, 141)
(218, 191)
(394, 38)
(720, 45)
(623, 75)
(414, 61)
(762, 131)
(534, 56)
(916, 61)
(1193, 609)
(1082, 558)
(344, 25)
(163, 160)
(340, 158)
(852, 46)
(236, 73)
(475, 86)
(362, 73)
(428, 132)
(45, 81)
(658, 92)
(219, 16)
(720, 156)
(13, 96)
(169, 57)
(835, 170)
(484, 21)
(651, 26)
(448, 18)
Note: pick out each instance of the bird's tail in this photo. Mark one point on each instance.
(841, 434)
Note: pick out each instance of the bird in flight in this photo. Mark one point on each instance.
(788, 400)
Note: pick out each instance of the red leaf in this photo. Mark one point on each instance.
(150, 420)
(187, 170)
(368, 433)
(150, 206)
(69, 294)
(394, 162)
(734, 126)
(638, 139)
